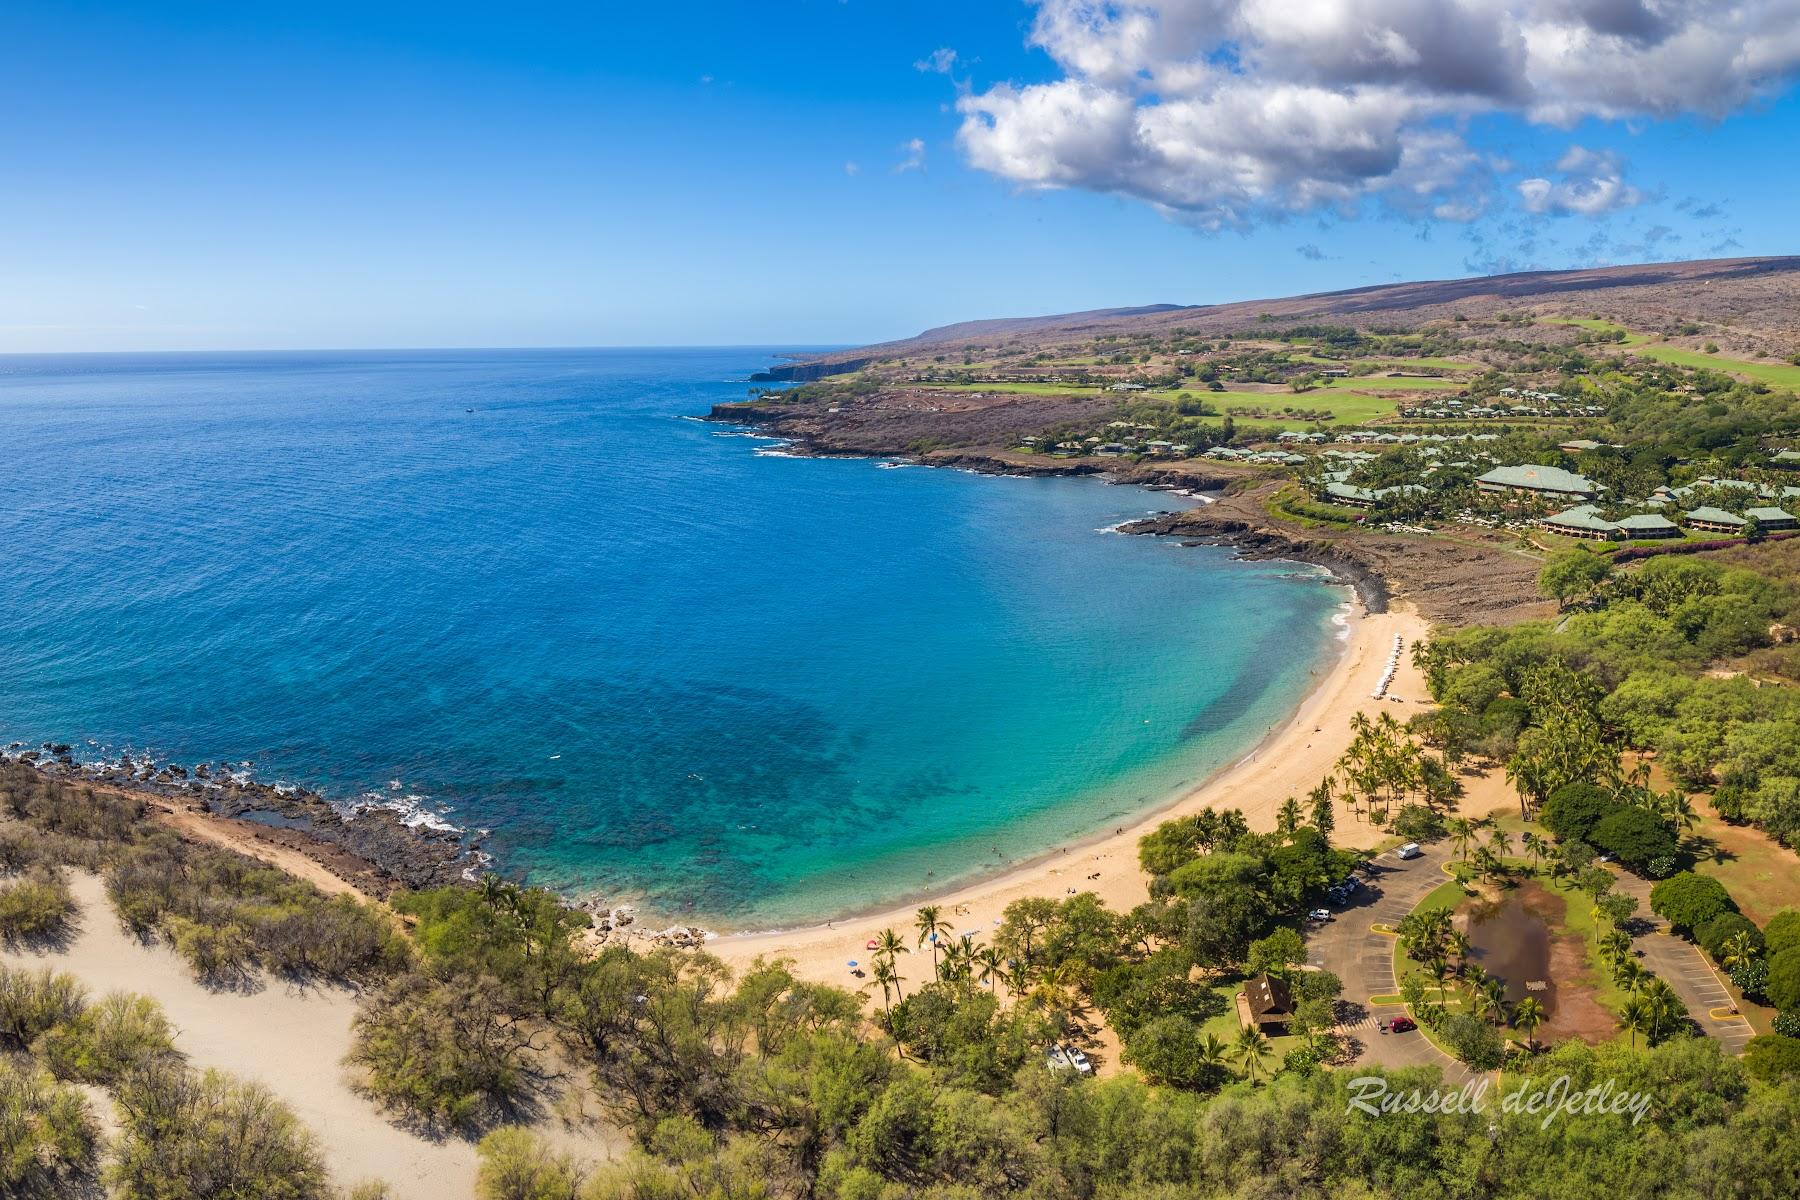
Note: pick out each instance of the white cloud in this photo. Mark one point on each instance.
(1223, 112)
(913, 152)
(1592, 184)
(938, 62)
(852, 169)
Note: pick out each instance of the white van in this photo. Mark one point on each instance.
(1410, 850)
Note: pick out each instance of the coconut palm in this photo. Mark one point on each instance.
(1630, 975)
(1462, 832)
(1495, 990)
(1635, 1018)
(1739, 950)
(1616, 944)
(930, 925)
(1528, 1014)
(1252, 1051)
(888, 978)
(887, 945)
(1214, 1051)
(1499, 843)
(1666, 1009)
(1536, 848)
(1288, 818)
(990, 966)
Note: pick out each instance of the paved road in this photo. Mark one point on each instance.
(1350, 948)
(1687, 969)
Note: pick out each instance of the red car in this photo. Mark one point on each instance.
(1398, 1025)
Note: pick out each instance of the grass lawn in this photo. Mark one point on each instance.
(1762, 875)
(1346, 407)
(1785, 375)
(1225, 1026)
(1381, 383)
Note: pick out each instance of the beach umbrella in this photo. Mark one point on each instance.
(853, 962)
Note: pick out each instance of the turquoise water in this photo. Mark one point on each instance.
(655, 662)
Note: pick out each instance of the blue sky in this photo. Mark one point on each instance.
(802, 172)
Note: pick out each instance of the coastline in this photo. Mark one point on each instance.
(1290, 761)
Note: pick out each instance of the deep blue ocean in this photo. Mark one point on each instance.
(526, 591)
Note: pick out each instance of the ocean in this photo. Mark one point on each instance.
(526, 592)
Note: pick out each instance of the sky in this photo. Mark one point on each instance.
(813, 172)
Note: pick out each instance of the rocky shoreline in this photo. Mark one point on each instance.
(370, 846)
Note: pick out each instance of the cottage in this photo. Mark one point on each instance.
(1714, 520)
(1786, 459)
(1270, 999)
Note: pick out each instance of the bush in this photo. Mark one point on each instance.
(36, 908)
(442, 1049)
(34, 1002)
(1773, 1057)
(1714, 934)
(1167, 1051)
(49, 1142)
(120, 1034)
(1635, 836)
(1752, 978)
(1787, 1023)
(1782, 931)
(221, 954)
(516, 1165)
(1661, 867)
(1574, 809)
(184, 1134)
(1688, 901)
(1783, 989)
(1418, 823)
(1472, 1040)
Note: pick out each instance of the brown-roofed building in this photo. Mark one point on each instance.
(1270, 1000)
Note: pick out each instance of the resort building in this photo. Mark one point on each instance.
(1714, 520)
(1536, 480)
(1648, 525)
(1582, 521)
(1772, 519)
(1788, 459)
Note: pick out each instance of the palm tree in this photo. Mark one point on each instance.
(1665, 1007)
(1739, 950)
(1252, 1050)
(888, 978)
(1462, 832)
(1617, 945)
(1528, 1015)
(1288, 819)
(1495, 990)
(1536, 847)
(1634, 1017)
(930, 925)
(992, 966)
(1630, 975)
(1214, 1052)
(887, 945)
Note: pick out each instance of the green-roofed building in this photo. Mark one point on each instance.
(1714, 520)
(1542, 481)
(1582, 521)
(1648, 525)
(1772, 519)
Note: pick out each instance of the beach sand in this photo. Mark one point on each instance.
(1290, 762)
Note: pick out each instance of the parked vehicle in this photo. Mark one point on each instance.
(1320, 914)
(1410, 850)
(1399, 1025)
(1079, 1061)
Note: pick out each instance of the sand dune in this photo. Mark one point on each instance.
(290, 1038)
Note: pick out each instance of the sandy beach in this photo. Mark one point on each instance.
(1288, 763)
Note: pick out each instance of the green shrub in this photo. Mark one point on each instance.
(1773, 1057)
(1714, 934)
(222, 954)
(1787, 1023)
(34, 1002)
(1688, 901)
(184, 1134)
(119, 1034)
(1472, 1040)
(517, 1165)
(36, 907)
(1783, 931)
(442, 1048)
(49, 1142)
(1783, 989)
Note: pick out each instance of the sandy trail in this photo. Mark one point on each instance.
(290, 1038)
(1288, 763)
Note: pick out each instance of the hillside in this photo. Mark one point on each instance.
(1748, 304)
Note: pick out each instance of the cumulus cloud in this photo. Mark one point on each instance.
(1309, 252)
(1592, 184)
(1224, 112)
